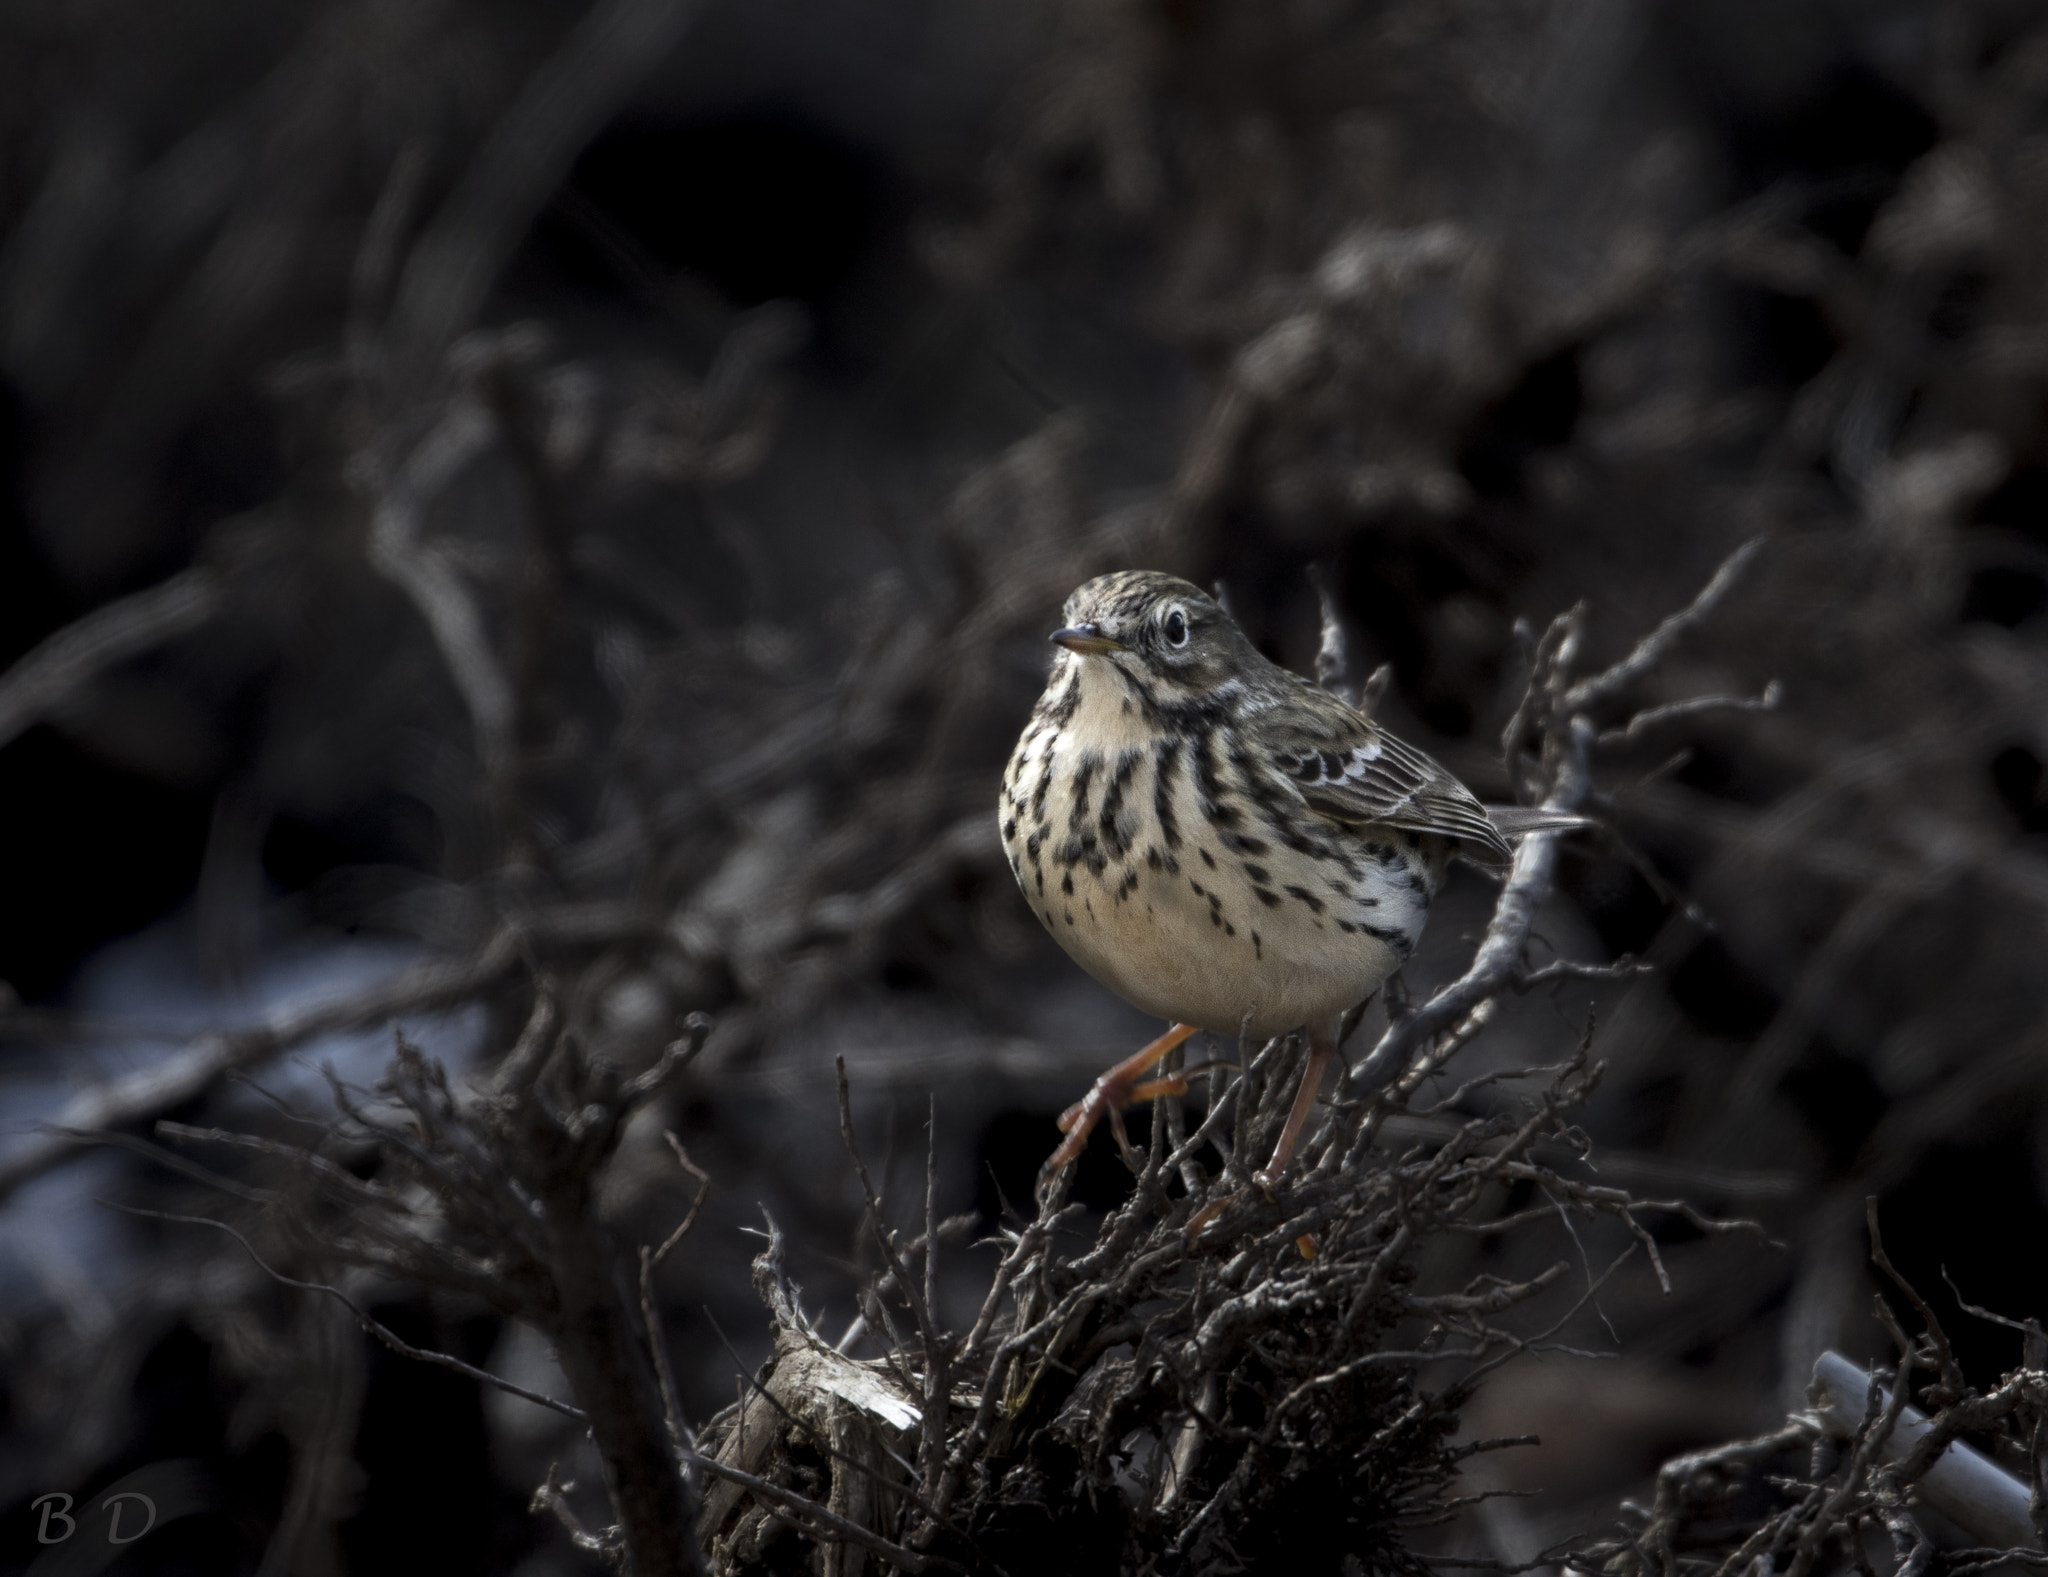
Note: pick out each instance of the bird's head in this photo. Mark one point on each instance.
(1157, 628)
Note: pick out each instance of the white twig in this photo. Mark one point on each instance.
(1626, 967)
(1334, 670)
(1652, 717)
(1650, 650)
(1495, 964)
(553, 1496)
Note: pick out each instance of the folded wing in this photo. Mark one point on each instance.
(1350, 770)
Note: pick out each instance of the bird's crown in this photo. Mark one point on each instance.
(1118, 603)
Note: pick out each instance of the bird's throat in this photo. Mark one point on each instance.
(1113, 710)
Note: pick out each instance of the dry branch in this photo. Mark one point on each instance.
(453, 265)
(1963, 1485)
(212, 1057)
(1861, 1464)
(39, 685)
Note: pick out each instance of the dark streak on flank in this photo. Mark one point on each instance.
(1166, 761)
(1038, 794)
(1209, 783)
(1065, 704)
(1280, 810)
(1082, 779)
(1116, 835)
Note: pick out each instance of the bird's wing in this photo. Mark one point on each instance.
(1350, 770)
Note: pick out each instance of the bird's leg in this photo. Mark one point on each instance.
(1322, 1050)
(1322, 1046)
(1115, 1090)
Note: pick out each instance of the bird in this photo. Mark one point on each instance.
(1222, 843)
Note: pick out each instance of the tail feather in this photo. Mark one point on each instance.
(1518, 821)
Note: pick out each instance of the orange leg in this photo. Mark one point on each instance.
(1115, 1090)
(1321, 1049)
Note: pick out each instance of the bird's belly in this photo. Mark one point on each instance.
(1219, 924)
(1276, 973)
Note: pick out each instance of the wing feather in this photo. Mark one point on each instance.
(1349, 770)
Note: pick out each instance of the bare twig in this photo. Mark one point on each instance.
(824, 1522)
(212, 1057)
(553, 1497)
(1499, 956)
(529, 151)
(435, 586)
(1651, 649)
(1692, 706)
(41, 683)
(1963, 1485)
(375, 1327)
(1334, 665)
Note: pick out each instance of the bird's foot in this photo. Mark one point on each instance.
(1124, 1085)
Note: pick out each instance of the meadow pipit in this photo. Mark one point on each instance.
(1219, 841)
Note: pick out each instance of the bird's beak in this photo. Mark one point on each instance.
(1086, 639)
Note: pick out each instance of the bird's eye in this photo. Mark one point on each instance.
(1176, 628)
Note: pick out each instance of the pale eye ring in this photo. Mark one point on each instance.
(1176, 628)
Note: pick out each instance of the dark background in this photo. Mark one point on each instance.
(818, 352)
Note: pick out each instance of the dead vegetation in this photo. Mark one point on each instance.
(658, 705)
(1219, 1365)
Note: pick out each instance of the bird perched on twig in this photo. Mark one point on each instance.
(1219, 841)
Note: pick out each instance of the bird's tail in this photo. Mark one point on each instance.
(1516, 822)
